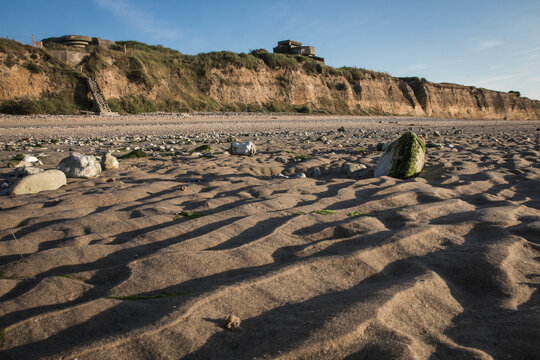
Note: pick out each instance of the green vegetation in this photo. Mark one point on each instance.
(133, 104)
(359, 213)
(341, 86)
(189, 214)
(298, 156)
(324, 212)
(134, 154)
(15, 160)
(56, 105)
(33, 67)
(203, 148)
(148, 297)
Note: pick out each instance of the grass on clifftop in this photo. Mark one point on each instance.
(177, 82)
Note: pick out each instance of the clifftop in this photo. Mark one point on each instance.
(136, 78)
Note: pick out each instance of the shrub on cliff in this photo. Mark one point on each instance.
(44, 105)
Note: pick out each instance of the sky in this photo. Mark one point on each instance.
(485, 43)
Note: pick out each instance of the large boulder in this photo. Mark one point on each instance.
(247, 148)
(79, 165)
(46, 180)
(403, 159)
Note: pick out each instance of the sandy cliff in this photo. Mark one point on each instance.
(155, 79)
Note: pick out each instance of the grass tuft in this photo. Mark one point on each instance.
(324, 212)
(189, 214)
(359, 213)
(134, 154)
(203, 148)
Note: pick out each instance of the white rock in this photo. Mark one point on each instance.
(247, 148)
(79, 165)
(109, 162)
(30, 159)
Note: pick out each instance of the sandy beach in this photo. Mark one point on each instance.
(337, 266)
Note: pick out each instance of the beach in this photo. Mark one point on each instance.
(151, 260)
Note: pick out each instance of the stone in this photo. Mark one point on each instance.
(341, 129)
(46, 180)
(22, 160)
(403, 159)
(431, 144)
(80, 166)
(247, 148)
(25, 171)
(232, 322)
(109, 162)
(436, 133)
(315, 172)
(383, 146)
(350, 168)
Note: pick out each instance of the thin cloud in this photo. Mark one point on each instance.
(496, 79)
(528, 51)
(139, 19)
(489, 44)
(418, 67)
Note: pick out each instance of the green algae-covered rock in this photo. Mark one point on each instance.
(403, 159)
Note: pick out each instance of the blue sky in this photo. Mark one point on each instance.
(492, 44)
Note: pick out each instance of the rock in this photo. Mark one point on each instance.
(431, 144)
(232, 322)
(300, 175)
(315, 172)
(46, 180)
(436, 133)
(383, 146)
(22, 160)
(403, 159)
(350, 168)
(79, 165)
(25, 171)
(109, 162)
(247, 148)
(341, 129)
(322, 138)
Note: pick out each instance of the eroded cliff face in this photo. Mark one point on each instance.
(229, 86)
(457, 101)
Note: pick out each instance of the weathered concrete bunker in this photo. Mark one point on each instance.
(293, 47)
(78, 41)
